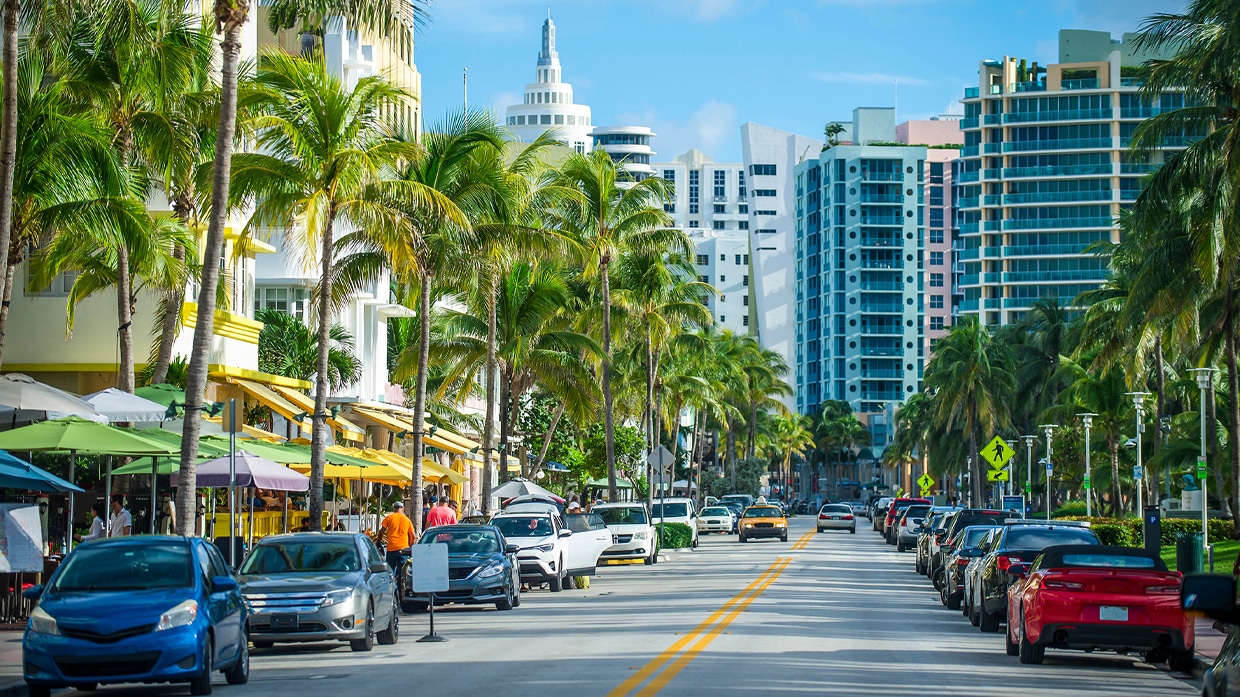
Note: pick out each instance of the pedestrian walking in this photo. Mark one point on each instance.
(440, 514)
(120, 523)
(452, 506)
(397, 535)
(97, 528)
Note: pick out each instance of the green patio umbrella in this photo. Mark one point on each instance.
(162, 393)
(283, 453)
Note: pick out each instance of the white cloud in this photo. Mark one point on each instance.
(500, 101)
(711, 10)
(866, 78)
(713, 129)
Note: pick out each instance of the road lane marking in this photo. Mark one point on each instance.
(702, 634)
(803, 542)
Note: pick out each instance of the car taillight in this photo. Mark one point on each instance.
(822, 516)
(962, 562)
(847, 517)
(1166, 589)
(1005, 563)
(1065, 585)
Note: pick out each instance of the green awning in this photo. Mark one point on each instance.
(76, 434)
(620, 483)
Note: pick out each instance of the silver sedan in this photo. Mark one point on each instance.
(837, 516)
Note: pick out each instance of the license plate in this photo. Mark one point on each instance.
(284, 621)
(1111, 613)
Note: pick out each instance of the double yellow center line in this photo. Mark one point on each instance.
(667, 665)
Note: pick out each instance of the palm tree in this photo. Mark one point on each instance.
(323, 149)
(792, 436)
(970, 375)
(286, 346)
(1104, 394)
(607, 220)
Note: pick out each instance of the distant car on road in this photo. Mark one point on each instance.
(320, 586)
(633, 535)
(762, 520)
(142, 609)
(743, 500)
(878, 512)
(482, 569)
(837, 516)
(1093, 597)
(718, 519)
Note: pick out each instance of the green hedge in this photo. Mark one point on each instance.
(676, 536)
(1128, 531)
(1071, 508)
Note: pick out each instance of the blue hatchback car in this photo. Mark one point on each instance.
(137, 609)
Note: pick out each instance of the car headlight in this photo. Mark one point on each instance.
(180, 616)
(780, 524)
(749, 525)
(336, 597)
(545, 548)
(492, 570)
(43, 623)
(639, 535)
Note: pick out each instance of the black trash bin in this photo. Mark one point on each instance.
(1188, 552)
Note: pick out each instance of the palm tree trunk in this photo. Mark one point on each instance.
(488, 428)
(751, 445)
(1160, 382)
(732, 454)
(7, 295)
(1222, 488)
(419, 394)
(1115, 492)
(651, 436)
(168, 326)
(542, 452)
(1233, 391)
(124, 318)
(504, 408)
(322, 384)
(609, 426)
(8, 139)
(229, 19)
(976, 478)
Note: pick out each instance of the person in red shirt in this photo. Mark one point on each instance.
(441, 514)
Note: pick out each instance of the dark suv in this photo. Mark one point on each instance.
(1018, 542)
(952, 526)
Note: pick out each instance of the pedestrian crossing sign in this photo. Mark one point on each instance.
(997, 452)
(925, 481)
(925, 493)
(997, 476)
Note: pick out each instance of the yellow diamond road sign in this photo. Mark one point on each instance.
(925, 493)
(925, 481)
(997, 453)
(997, 476)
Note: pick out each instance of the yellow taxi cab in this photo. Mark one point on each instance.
(763, 520)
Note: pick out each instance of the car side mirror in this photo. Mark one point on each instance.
(379, 567)
(33, 592)
(1018, 570)
(565, 533)
(1213, 595)
(223, 584)
(971, 552)
(510, 548)
(940, 531)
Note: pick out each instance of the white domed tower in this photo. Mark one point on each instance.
(549, 103)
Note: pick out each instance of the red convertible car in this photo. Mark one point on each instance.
(1090, 597)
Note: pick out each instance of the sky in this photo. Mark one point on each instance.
(695, 70)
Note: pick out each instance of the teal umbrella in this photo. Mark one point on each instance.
(16, 473)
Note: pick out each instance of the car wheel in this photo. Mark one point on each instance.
(38, 690)
(1029, 654)
(1181, 661)
(556, 584)
(742, 538)
(516, 595)
(239, 673)
(367, 642)
(853, 530)
(917, 565)
(938, 582)
(391, 634)
(988, 622)
(263, 644)
(1013, 648)
(820, 530)
(87, 687)
(783, 537)
(201, 683)
(694, 544)
(900, 547)
(505, 603)
(974, 618)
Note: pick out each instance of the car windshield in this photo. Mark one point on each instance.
(303, 556)
(973, 537)
(532, 526)
(763, 513)
(836, 508)
(1035, 538)
(126, 567)
(464, 541)
(715, 511)
(629, 515)
(1108, 561)
(669, 510)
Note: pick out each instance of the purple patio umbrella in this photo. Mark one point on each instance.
(252, 470)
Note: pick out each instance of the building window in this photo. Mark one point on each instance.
(720, 208)
(716, 224)
(703, 279)
(694, 223)
(746, 281)
(738, 260)
(745, 258)
(936, 324)
(936, 237)
(723, 278)
(695, 180)
(761, 212)
(545, 119)
(670, 175)
(669, 208)
(762, 170)
(721, 184)
(936, 258)
(745, 300)
(744, 224)
(703, 260)
(763, 192)
(744, 208)
(936, 280)
(572, 120)
(559, 119)
(723, 318)
(936, 302)
(767, 231)
(740, 184)
(745, 321)
(723, 257)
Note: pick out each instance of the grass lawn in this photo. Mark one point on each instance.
(1225, 552)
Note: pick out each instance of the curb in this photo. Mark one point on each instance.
(15, 690)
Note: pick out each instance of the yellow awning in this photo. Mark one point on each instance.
(273, 401)
(351, 430)
(397, 422)
(252, 431)
(475, 460)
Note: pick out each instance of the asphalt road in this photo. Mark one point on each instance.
(830, 613)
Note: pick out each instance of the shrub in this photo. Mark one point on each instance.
(1115, 534)
(676, 536)
(1219, 529)
(1071, 508)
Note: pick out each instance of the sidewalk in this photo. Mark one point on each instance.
(11, 683)
(1210, 636)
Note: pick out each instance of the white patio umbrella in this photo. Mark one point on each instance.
(28, 399)
(521, 487)
(122, 407)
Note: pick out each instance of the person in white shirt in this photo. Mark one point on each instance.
(120, 523)
(97, 529)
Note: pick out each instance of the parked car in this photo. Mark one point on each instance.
(320, 586)
(143, 609)
(1092, 597)
(968, 606)
(859, 509)
(971, 538)
(878, 512)
(894, 510)
(550, 552)
(676, 510)
(1214, 595)
(946, 536)
(743, 500)
(633, 536)
(802, 506)
(1017, 544)
(910, 522)
(925, 535)
(718, 519)
(736, 509)
(763, 520)
(482, 569)
(837, 516)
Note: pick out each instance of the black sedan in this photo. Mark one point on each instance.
(482, 569)
(1018, 542)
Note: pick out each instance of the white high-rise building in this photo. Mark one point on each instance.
(723, 261)
(548, 103)
(629, 147)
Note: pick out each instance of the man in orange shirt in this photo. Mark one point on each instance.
(398, 531)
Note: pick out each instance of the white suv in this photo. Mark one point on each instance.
(550, 553)
(632, 535)
(676, 510)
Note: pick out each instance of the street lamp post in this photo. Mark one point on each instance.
(1088, 421)
(1029, 440)
(1049, 429)
(1138, 402)
(1007, 486)
(1205, 380)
